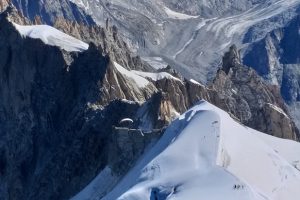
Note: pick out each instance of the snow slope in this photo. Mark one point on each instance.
(155, 76)
(140, 78)
(52, 36)
(205, 153)
(140, 81)
(104, 180)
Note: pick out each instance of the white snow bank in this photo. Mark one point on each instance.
(52, 36)
(140, 81)
(205, 153)
(156, 76)
(196, 82)
(140, 78)
(176, 15)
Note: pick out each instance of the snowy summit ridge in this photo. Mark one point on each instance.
(205, 153)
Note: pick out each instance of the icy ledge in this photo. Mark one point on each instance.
(205, 153)
(52, 36)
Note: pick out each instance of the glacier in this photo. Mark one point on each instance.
(191, 36)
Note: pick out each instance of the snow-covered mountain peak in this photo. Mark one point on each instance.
(206, 153)
(52, 36)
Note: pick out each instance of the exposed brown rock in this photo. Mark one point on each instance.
(241, 92)
(3, 4)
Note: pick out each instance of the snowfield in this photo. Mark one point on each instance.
(141, 78)
(52, 37)
(141, 82)
(155, 76)
(206, 154)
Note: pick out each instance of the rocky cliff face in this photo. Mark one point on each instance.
(3, 4)
(255, 103)
(276, 58)
(57, 114)
(280, 58)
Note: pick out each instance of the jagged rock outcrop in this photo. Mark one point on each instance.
(3, 5)
(251, 100)
(231, 59)
(238, 90)
(276, 58)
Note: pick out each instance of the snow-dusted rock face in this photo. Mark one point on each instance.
(240, 92)
(276, 58)
(251, 99)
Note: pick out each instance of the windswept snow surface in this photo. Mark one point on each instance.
(207, 154)
(52, 36)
